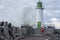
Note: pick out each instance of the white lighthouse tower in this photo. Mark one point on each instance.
(39, 15)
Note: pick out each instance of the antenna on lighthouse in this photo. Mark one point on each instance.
(39, 0)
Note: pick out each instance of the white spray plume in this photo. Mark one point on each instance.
(26, 16)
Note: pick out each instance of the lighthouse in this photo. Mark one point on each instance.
(39, 15)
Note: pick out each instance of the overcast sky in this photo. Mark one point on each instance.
(13, 10)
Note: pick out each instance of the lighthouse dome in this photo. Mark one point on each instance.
(39, 4)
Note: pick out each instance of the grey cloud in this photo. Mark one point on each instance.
(48, 14)
(52, 4)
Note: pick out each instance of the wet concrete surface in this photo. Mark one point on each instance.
(41, 38)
